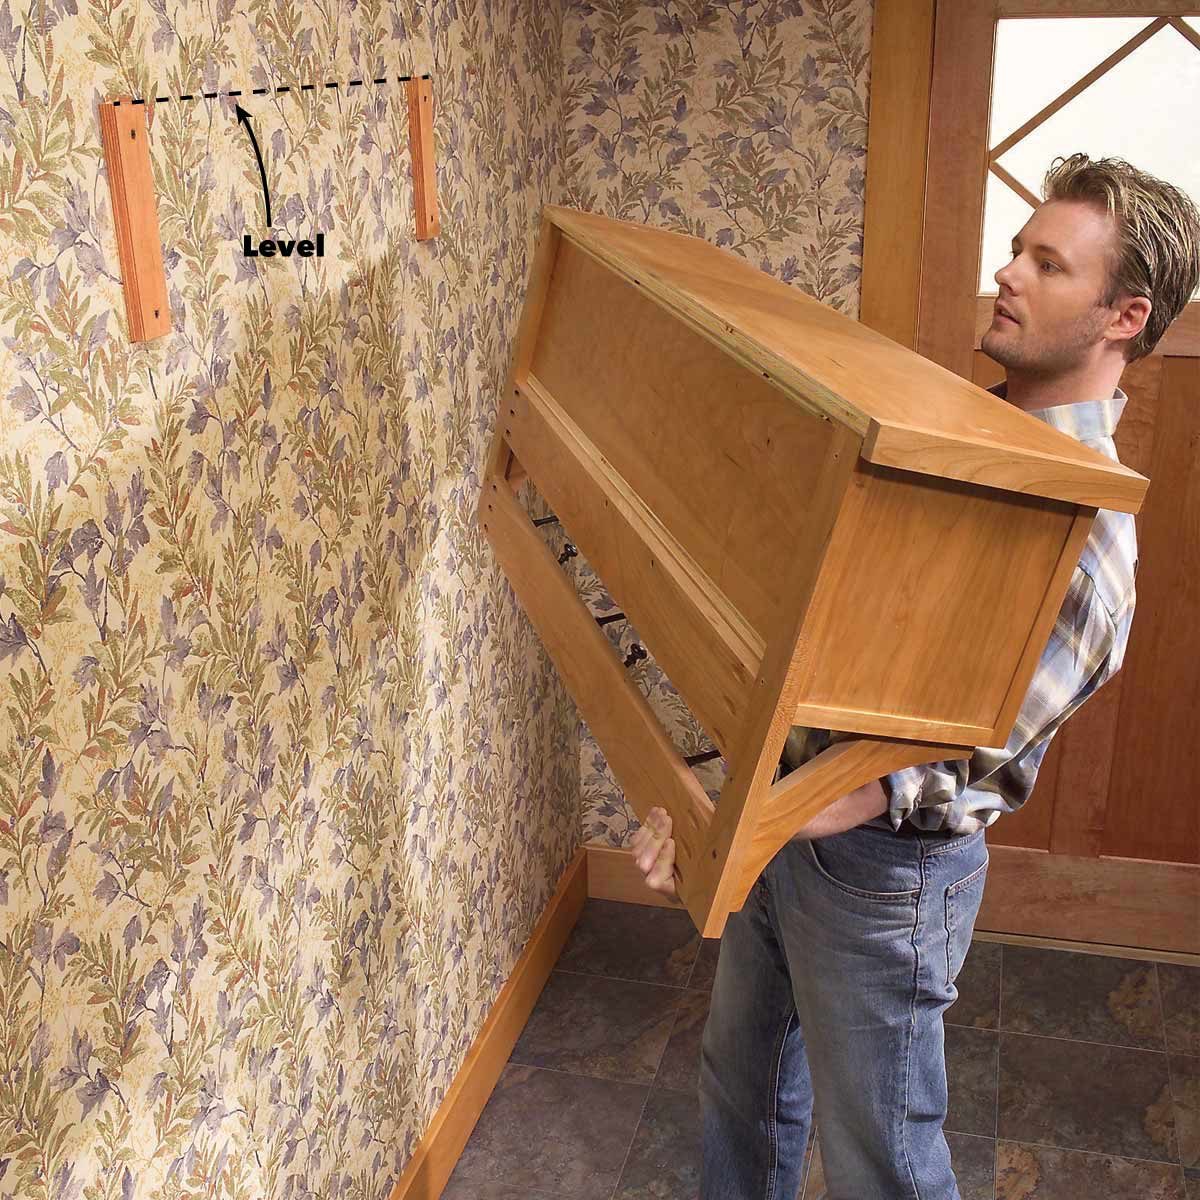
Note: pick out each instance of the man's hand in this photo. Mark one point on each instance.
(653, 850)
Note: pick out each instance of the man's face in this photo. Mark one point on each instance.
(1053, 289)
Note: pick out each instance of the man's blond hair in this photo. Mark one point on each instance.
(1157, 252)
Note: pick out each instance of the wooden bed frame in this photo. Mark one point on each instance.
(807, 523)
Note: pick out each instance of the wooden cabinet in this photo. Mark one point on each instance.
(787, 505)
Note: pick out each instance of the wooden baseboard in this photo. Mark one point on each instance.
(1110, 901)
(435, 1157)
(1104, 906)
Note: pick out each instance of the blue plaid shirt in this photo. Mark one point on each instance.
(1086, 648)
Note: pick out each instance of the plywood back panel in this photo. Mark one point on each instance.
(925, 606)
(723, 458)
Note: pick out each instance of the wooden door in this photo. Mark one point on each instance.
(1108, 847)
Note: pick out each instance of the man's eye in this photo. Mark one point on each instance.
(1050, 265)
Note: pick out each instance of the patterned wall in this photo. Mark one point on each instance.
(744, 123)
(285, 776)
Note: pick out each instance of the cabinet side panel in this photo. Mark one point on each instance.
(724, 459)
(926, 604)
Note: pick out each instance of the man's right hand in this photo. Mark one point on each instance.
(653, 850)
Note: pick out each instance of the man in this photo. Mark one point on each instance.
(834, 977)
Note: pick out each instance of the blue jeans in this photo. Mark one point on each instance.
(828, 999)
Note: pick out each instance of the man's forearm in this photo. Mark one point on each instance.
(852, 809)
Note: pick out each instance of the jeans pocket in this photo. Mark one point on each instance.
(853, 863)
(962, 906)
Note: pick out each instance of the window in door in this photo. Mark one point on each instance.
(1124, 87)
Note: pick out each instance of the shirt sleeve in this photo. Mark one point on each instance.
(1085, 649)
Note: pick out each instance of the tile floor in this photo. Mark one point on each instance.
(1072, 1076)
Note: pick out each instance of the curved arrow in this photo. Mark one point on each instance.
(244, 117)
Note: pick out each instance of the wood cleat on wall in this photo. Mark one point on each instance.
(126, 140)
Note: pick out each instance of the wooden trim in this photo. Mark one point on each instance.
(952, 233)
(1063, 99)
(1101, 949)
(1077, 475)
(901, 73)
(613, 875)
(436, 1155)
(545, 255)
(421, 150)
(633, 740)
(1181, 339)
(126, 139)
(1090, 8)
(500, 460)
(1188, 32)
(857, 720)
(1122, 901)
(1016, 185)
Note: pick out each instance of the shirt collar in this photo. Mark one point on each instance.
(1086, 420)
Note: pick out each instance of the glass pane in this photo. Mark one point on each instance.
(1004, 214)
(1143, 110)
(1038, 58)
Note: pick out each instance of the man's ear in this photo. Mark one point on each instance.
(1132, 314)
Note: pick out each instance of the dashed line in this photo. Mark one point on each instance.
(304, 87)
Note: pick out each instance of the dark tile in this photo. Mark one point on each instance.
(978, 983)
(971, 1076)
(589, 1025)
(1080, 1096)
(583, 1129)
(495, 1191)
(1185, 1087)
(664, 1160)
(1089, 997)
(680, 1066)
(1181, 1006)
(632, 941)
(1046, 1173)
(705, 970)
(974, 1162)
(971, 1157)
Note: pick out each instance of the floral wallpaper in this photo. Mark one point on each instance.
(744, 123)
(286, 778)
